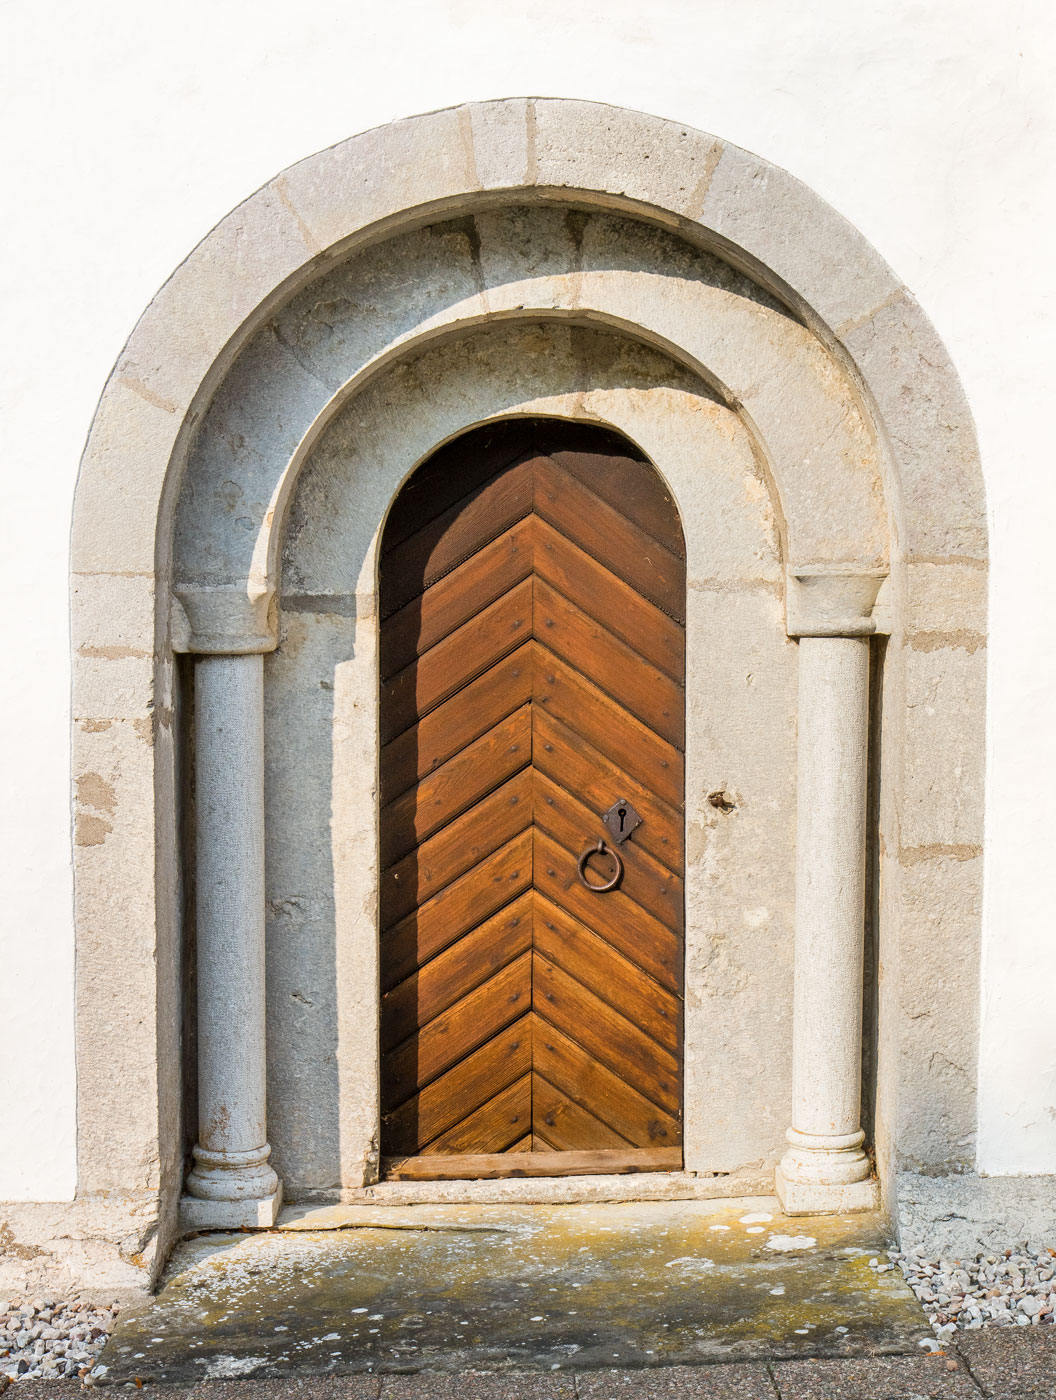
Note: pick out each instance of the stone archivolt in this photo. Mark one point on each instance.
(713, 305)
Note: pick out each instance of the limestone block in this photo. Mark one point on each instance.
(119, 686)
(944, 754)
(117, 991)
(803, 244)
(960, 1216)
(942, 511)
(122, 477)
(740, 804)
(388, 293)
(809, 1198)
(99, 1248)
(937, 1031)
(499, 133)
(527, 255)
(588, 146)
(113, 615)
(227, 281)
(305, 828)
(945, 604)
(196, 1214)
(425, 161)
(249, 434)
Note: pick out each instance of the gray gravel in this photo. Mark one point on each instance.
(51, 1339)
(1014, 1288)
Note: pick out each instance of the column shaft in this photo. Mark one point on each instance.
(825, 1161)
(231, 1158)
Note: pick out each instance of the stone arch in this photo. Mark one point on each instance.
(913, 502)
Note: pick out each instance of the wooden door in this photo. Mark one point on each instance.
(533, 660)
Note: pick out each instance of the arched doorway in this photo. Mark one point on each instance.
(824, 463)
(532, 666)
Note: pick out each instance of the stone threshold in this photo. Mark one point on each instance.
(515, 1287)
(322, 1211)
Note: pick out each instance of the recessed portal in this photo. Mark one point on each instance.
(532, 586)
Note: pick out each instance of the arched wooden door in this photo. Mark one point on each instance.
(532, 585)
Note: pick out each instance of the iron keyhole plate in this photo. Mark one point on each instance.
(620, 820)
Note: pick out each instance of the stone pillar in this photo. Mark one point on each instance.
(825, 1169)
(231, 1183)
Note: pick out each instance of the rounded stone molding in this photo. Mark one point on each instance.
(816, 446)
(551, 154)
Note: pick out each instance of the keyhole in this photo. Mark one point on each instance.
(623, 816)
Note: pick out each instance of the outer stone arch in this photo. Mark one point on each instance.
(409, 173)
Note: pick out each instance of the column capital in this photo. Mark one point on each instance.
(223, 620)
(832, 600)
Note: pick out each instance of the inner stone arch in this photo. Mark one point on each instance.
(321, 723)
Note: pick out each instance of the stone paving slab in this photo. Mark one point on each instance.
(997, 1364)
(1011, 1363)
(746, 1382)
(512, 1386)
(521, 1288)
(938, 1377)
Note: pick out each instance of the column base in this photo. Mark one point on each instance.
(826, 1198)
(259, 1214)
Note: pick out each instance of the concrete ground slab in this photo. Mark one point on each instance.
(938, 1377)
(1012, 1363)
(745, 1382)
(528, 1288)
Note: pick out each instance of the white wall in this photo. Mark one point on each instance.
(133, 127)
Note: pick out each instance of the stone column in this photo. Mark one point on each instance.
(231, 1183)
(825, 1169)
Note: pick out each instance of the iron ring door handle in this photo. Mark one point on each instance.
(600, 850)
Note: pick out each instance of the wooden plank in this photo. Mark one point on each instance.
(465, 778)
(645, 880)
(571, 571)
(577, 1074)
(632, 487)
(455, 661)
(458, 597)
(654, 947)
(443, 732)
(571, 698)
(443, 543)
(573, 763)
(570, 945)
(658, 701)
(605, 1034)
(567, 1126)
(453, 473)
(455, 1033)
(452, 1097)
(493, 1166)
(611, 538)
(497, 1126)
(466, 902)
(463, 965)
(462, 843)
(511, 639)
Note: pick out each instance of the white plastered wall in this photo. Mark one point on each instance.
(926, 126)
